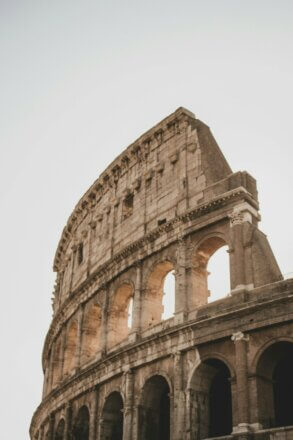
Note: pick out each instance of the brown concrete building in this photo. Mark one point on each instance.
(114, 368)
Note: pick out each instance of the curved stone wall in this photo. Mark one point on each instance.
(166, 204)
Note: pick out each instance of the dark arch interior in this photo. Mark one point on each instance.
(220, 400)
(60, 430)
(154, 421)
(81, 425)
(275, 385)
(211, 400)
(112, 428)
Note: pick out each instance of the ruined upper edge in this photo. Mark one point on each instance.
(89, 197)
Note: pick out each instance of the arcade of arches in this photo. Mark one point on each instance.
(157, 304)
(211, 398)
(171, 318)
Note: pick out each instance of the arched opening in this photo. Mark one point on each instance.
(118, 323)
(112, 416)
(57, 362)
(208, 264)
(275, 385)
(59, 434)
(70, 348)
(218, 274)
(169, 295)
(81, 424)
(154, 415)
(91, 333)
(130, 313)
(211, 400)
(157, 306)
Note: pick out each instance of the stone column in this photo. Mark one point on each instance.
(41, 433)
(182, 282)
(104, 322)
(128, 406)
(240, 251)
(50, 366)
(68, 422)
(51, 426)
(236, 251)
(93, 418)
(240, 340)
(179, 398)
(93, 226)
(136, 320)
(79, 335)
(62, 354)
(73, 254)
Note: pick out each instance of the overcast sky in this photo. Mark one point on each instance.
(80, 80)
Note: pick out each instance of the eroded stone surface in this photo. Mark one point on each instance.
(167, 203)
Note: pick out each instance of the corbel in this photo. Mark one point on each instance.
(159, 136)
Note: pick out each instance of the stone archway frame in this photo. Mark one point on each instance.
(199, 293)
(101, 423)
(165, 376)
(117, 325)
(190, 389)
(263, 410)
(151, 304)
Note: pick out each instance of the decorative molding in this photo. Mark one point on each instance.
(239, 336)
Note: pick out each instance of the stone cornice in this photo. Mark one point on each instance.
(104, 274)
(193, 334)
(137, 152)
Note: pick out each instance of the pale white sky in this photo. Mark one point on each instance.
(79, 81)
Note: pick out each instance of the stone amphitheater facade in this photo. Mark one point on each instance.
(214, 369)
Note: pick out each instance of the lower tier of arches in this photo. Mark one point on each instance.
(230, 389)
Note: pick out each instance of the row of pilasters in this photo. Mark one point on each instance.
(180, 403)
(188, 295)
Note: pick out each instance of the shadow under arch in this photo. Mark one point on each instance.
(202, 252)
(81, 424)
(57, 363)
(274, 384)
(112, 417)
(118, 321)
(60, 430)
(152, 302)
(91, 332)
(209, 387)
(70, 348)
(154, 409)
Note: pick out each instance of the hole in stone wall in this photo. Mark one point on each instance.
(169, 296)
(127, 207)
(219, 274)
(162, 221)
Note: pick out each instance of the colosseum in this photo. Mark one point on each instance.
(116, 365)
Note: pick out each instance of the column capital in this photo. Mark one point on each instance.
(239, 336)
